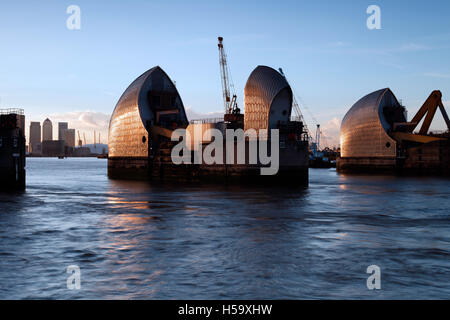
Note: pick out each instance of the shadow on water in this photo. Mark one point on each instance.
(12, 201)
(213, 188)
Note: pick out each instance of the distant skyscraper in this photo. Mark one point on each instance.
(35, 137)
(47, 130)
(69, 137)
(62, 126)
(35, 132)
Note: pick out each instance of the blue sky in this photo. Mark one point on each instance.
(329, 55)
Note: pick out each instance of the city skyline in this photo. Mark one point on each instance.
(55, 132)
(39, 134)
(328, 54)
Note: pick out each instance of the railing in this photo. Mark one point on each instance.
(208, 120)
(17, 111)
(296, 118)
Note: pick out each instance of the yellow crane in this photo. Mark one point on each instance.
(429, 109)
(404, 131)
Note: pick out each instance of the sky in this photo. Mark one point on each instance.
(328, 54)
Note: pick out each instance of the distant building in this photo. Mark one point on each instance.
(53, 148)
(47, 130)
(69, 137)
(35, 138)
(35, 149)
(81, 152)
(62, 126)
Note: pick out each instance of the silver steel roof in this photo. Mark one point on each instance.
(262, 86)
(364, 128)
(132, 112)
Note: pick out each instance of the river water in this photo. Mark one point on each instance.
(132, 240)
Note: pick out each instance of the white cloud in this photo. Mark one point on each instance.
(338, 44)
(412, 47)
(392, 50)
(85, 122)
(330, 133)
(392, 65)
(437, 75)
(193, 115)
(85, 119)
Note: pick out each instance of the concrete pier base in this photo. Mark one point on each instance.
(428, 159)
(366, 164)
(138, 169)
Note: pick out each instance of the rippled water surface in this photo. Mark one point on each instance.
(137, 241)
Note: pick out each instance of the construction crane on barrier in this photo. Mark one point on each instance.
(427, 111)
(229, 95)
(319, 132)
(404, 131)
(298, 114)
(297, 111)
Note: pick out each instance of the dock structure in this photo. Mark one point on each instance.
(12, 149)
(376, 137)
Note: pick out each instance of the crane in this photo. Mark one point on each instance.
(80, 143)
(297, 110)
(299, 115)
(429, 109)
(404, 131)
(319, 133)
(229, 96)
(84, 138)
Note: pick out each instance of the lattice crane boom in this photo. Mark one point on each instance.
(229, 96)
(297, 111)
(80, 143)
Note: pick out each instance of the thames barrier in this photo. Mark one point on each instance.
(151, 110)
(376, 137)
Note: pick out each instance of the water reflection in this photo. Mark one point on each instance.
(140, 240)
